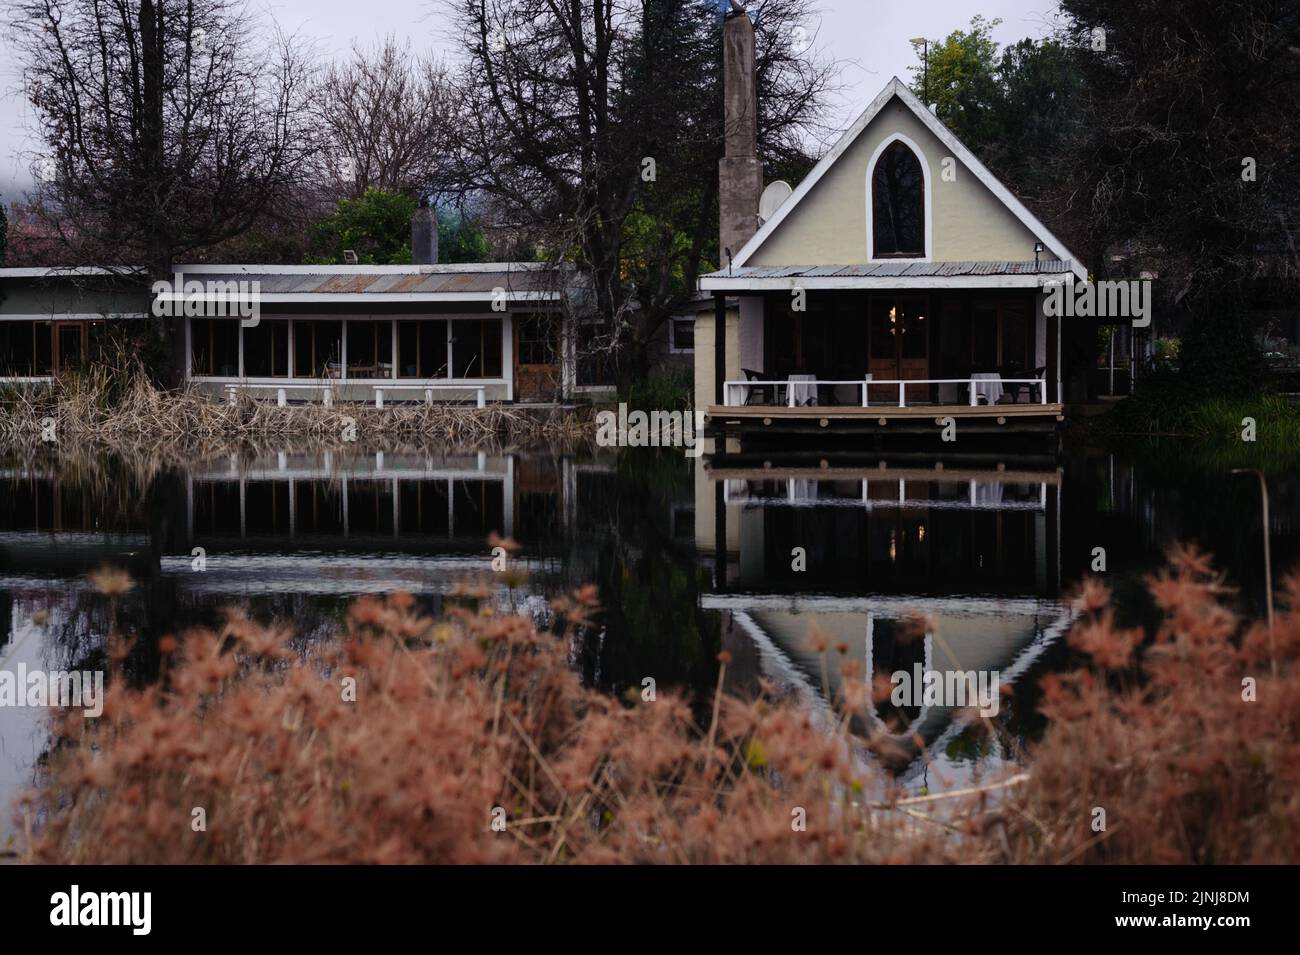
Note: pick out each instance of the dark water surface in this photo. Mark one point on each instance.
(741, 553)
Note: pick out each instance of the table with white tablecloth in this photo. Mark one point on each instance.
(802, 390)
(987, 385)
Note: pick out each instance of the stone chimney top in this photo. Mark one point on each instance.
(740, 174)
(424, 235)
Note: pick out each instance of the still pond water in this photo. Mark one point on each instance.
(690, 559)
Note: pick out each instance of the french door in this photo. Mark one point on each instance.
(898, 346)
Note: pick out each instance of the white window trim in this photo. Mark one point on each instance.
(672, 341)
(928, 197)
(505, 378)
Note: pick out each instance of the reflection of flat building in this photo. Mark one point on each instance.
(379, 496)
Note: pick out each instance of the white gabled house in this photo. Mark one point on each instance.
(900, 281)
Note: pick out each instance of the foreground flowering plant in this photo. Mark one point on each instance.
(469, 739)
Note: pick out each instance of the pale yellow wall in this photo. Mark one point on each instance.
(829, 225)
(704, 338)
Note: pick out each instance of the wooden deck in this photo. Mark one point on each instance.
(1051, 477)
(1004, 418)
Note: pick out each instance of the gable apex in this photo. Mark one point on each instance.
(1013, 209)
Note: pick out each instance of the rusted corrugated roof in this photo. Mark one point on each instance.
(482, 279)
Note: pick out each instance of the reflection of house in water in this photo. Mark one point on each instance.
(295, 527)
(973, 550)
(371, 524)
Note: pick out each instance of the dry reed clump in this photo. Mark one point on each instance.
(121, 407)
(453, 720)
(477, 717)
(1190, 741)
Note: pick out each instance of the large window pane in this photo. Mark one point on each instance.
(317, 349)
(476, 348)
(201, 346)
(302, 349)
(433, 349)
(370, 348)
(215, 346)
(384, 348)
(328, 349)
(44, 345)
(18, 347)
(491, 328)
(266, 349)
(408, 349)
(225, 347)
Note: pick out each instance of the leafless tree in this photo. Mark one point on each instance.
(385, 117)
(565, 102)
(169, 125)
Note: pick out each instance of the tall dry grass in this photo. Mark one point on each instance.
(118, 406)
(478, 716)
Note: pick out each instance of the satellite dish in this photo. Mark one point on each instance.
(772, 198)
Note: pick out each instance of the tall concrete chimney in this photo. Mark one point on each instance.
(424, 235)
(740, 175)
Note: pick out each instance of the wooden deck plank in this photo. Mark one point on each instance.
(885, 474)
(850, 412)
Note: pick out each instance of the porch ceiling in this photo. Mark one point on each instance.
(885, 275)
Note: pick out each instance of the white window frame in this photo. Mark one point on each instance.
(928, 198)
(672, 335)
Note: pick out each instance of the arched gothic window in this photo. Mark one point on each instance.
(897, 203)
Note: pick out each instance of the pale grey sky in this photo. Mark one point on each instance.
(870, 37)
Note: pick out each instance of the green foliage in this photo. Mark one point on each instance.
(1040, 88)
(1166, 405)
(1013, 109)
(666, 389)
(461, 239)
(377, 227)
(961, 80)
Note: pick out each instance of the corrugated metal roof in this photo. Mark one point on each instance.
(444, 280)
(900, 269)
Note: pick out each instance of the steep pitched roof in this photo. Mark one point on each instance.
(896, 88)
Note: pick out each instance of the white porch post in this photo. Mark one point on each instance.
(507, 355)
(1058, 359)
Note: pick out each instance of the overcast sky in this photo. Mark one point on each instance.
(869, 37)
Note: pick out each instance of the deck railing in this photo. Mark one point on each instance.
(738, 393)
(326, 391)
(990, 495)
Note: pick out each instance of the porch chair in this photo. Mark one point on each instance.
(1030, 388)
(753, 392)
